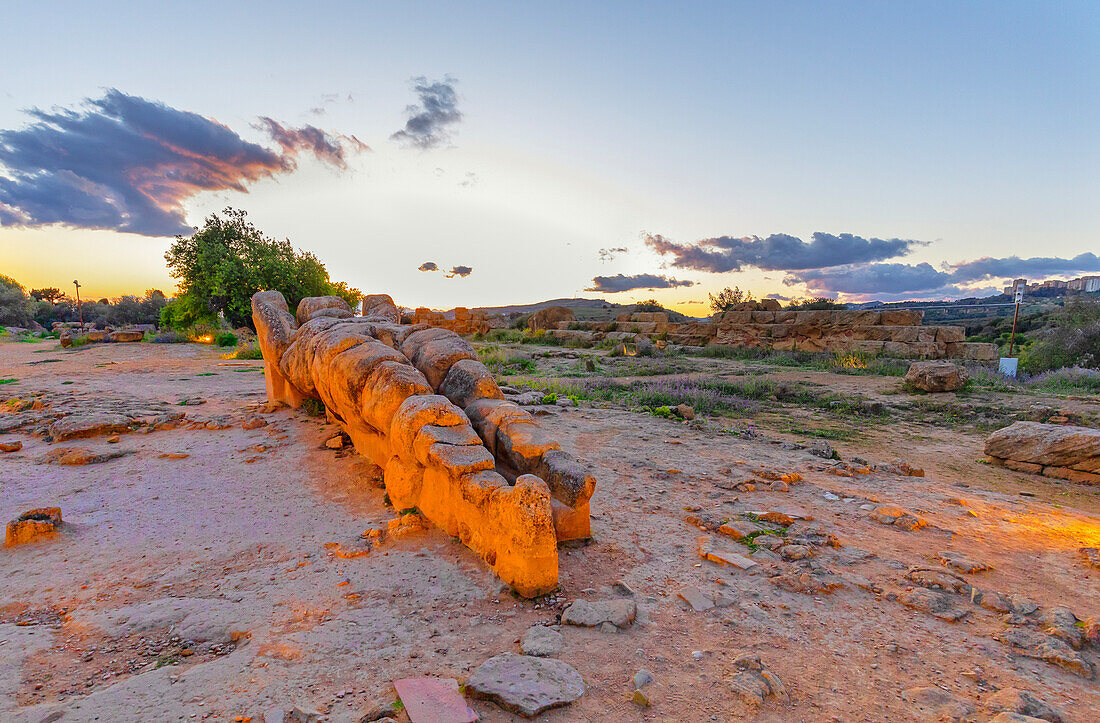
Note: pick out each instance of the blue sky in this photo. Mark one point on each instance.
(967, 127)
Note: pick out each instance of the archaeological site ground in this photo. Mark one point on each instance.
(419, 517)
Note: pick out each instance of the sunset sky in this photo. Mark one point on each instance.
(860, 150)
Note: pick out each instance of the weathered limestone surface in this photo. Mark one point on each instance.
(1052, 450)
(417, 402)
(936, 376)
(33, 526)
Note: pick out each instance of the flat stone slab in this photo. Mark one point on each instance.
(695, 597)
(541, 641)
(730, 558)
(92, 424)
(1047, 444)
(433, 700)
(619, 613)
(524, 684)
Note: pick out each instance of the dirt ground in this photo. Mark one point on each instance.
(219, 534)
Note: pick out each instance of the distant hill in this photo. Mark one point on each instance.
(584, 309)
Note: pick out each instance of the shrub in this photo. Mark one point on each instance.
(249, 352)
(1072, 380)
(1073, 340)
(225, 338)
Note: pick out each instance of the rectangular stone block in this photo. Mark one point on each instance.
(949, 334)
(902, 317)
(903, 333)
(736, 317)
(867, 346)
(763, 317)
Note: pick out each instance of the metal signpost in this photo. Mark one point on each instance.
(1009, 363)
(79, 308)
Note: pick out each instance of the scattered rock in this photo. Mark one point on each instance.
(795, 552)
(821, 448)
(755, 683)
(931, 602)
(892, 515)
(1021, 702)
(88, 424)
(428, 700)
(937, 579)
(684, 411)
(1033, 644)
(11, 446)
(254, 423)
(407, 524)
(336, 442)
(960, 562)
(1092, 556)
(732, 559)
(294, 715)
(806, 583)
(940, 703)
(541, 641)
(738, 529)
(1062, 623)
(936, 376)
(695, 597)
(1021, 605)
(1014, 718)
(525, 684)
(582, 613)
(76, 456)
(642, 678)
(33, 526)
(994, 601)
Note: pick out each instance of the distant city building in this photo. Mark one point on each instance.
(1085, 284)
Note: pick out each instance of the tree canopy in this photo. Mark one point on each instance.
(727, 297)
(15, 307)
(224, 263)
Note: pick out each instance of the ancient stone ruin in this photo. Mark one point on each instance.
(891, 332)
(416, 401)
(1052, 450)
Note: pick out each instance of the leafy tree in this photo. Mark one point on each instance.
(648, 305)
(727, 298)
(51, 294)
(15, 305)
(819, 303)
(225, 262)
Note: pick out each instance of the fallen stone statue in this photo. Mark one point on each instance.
(417, 402)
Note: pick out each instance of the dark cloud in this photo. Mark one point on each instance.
(127, 164)
(462, 271)
(1014, 266)
(429, 266)
(871, 278)
(778, 297)
(618, 283)
(952, 280)
(612, 254)
(778, 252)
(428, 123)
(328, 147)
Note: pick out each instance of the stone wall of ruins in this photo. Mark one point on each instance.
(416, 401)
(894, 333)
(465, 321)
